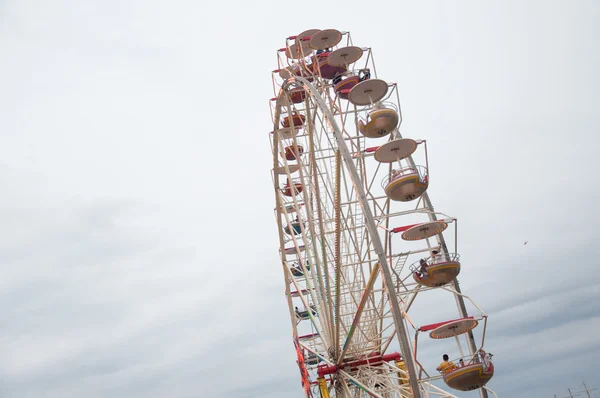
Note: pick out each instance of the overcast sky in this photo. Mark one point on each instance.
(138, 248)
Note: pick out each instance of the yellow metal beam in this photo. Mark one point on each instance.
(323, 387)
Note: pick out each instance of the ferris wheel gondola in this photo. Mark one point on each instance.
(468, 372)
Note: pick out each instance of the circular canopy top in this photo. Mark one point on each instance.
(425, 230)
(325, 39)
(454, 328)
(292, 167)
(294, 52)
(306, 34)
(395, 150)
(287, 72)
(368, 92)
(345, 56)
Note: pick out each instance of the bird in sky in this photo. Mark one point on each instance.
(525, 242)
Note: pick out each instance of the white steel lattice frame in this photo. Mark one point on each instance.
(346, 226)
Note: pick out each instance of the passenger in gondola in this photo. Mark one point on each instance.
(297, 270)
(297, 312)
(423, 269)
(364, 74)
(461, 363)
(486, 358)
(446, 366)
(434, 256)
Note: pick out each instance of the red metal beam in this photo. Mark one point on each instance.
(404, 228)
(432, 326)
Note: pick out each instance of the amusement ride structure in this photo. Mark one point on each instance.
(360, 242)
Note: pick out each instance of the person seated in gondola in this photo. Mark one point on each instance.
(486, 358)
(423, 269)
(297, 312)
(296, 270)
(364, 74)
(446, 366)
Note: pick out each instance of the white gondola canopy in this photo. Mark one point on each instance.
(395, 150)
(453, 328)
(425, 230)
(368, 92)
(325, 39)
(345, 56)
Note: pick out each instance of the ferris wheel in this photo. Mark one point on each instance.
(360, 242)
